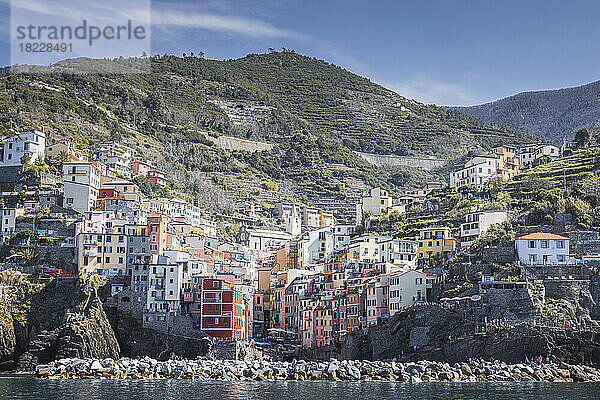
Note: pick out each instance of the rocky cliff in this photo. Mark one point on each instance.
(432, 333)
(44, 322)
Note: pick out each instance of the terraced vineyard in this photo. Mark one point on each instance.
(316, 114)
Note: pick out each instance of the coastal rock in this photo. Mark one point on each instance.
(231, 370)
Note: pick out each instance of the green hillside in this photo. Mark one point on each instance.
(314, 112)
(552, 115)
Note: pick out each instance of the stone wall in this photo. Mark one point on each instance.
(512, 304)
(498, 255)
(234, 143)
(536, 272)
(390, 160)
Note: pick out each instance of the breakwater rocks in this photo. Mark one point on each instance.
(333, 370)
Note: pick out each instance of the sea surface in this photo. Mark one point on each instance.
(27, 387)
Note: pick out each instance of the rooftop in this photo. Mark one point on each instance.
(543, 235)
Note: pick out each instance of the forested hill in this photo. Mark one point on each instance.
(314, 112)
(550, 114)
(344, 107)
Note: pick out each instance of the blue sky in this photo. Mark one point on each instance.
(449, 52)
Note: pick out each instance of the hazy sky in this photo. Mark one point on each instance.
(449, 52)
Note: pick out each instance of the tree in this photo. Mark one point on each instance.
(494, 186)
(25, 159)
(62, 157)
(497, 235)
(27, 255)
(583, 138)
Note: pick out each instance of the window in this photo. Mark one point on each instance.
(532, 258)
(69, 200)
(544, 244)
(532, 244)
(560, 244)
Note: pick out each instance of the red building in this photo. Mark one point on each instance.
(219, 309)
(140, 168)
(157, 177)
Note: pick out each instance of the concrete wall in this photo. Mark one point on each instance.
(234, 143)
(389, 160)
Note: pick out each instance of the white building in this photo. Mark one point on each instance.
(263, 239)
(165, 275)
(376, 203)
(399, 252)
(420, 194)
(475, 172)
(341, 236)
(530, 154)
(315, 245)
(8, 221)
(543, 249)
(81, 183)
(117, 157)
(406, 288)
(477, 223)
(134, 212)
(16, 147)
(368, 247)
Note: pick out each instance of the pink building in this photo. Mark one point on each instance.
(140, 168)
(157, 177)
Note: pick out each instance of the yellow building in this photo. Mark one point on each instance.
(508, 161)
(435, 242)
(102, 253)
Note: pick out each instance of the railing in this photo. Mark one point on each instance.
(211, 301)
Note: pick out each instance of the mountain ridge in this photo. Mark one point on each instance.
(552, 115)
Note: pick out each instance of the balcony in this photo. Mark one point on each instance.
(158, 296)
(211, 301)
(469, 232)
(90, 253)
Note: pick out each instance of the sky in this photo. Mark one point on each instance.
(447, 52)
